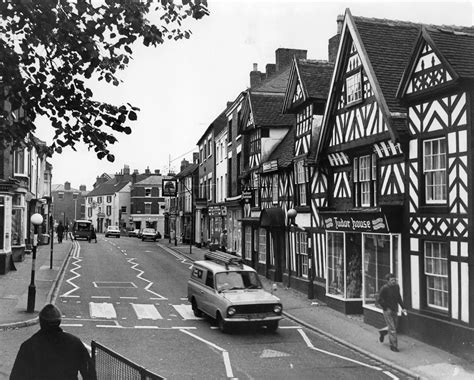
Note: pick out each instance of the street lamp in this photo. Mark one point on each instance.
(36, 220)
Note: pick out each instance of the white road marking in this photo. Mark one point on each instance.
(75, 256)
(185, 311)
(102, 310)
(146, 327)
(100, 297)
(129, 298)
(71, 325)
(110, 326)
(180, 257)
(144, 311)
(289, 327)
(225, 354)
(310, 345)
(389, 374)
(139, 275)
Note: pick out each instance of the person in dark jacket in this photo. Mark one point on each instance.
(389, 299)
(60, 232)
(93, 235)
(51, 353)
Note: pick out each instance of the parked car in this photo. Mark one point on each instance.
(133, 233)
(231, 293)
(112, 231)
(149, 234)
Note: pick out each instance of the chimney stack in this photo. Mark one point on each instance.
(333, 44)
(157, 171)
(147, 170)
(67, 185)
(284, 57)
(270, 69)
(82, 188)
(126, 170)
(184, 164)
(255, 76)
(195, 158)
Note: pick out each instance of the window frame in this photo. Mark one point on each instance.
(364, 180)
(443, 249)
(146, 205)
(301, 182)
(352, 77)
(443, 171)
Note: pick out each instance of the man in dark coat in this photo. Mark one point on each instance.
(389, 299)
(60, 232)
(52, 353)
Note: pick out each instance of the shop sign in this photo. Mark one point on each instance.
(360, 222)
(169, 188)
(246, 195)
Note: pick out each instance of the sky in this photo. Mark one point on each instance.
(182, 86)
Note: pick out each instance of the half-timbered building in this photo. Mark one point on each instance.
(361, 164)
(437, 88)
(305, 98)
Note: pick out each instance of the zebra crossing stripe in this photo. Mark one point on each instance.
(144, 311)
(102, 310)
(185, 311)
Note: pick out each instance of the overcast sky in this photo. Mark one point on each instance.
(181, 87)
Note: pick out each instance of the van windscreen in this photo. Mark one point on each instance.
(82, 226)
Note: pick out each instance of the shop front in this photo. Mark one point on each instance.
(217, 223)
(362, 247)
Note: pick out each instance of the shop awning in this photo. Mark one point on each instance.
(272, 217)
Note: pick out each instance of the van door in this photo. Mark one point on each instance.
(208, 295)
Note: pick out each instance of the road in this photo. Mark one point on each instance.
(130, 296)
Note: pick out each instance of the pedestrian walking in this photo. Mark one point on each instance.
(223, 240)
(66, 230)
(60, 232)
(52, 353)
(93, 235)
(389, 299)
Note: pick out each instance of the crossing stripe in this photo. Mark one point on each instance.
(102, 310)
(144, 311)
(185, 311)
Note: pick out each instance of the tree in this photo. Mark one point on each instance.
(51, 49)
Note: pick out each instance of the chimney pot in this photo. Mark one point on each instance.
(340, 22)
(255, 67)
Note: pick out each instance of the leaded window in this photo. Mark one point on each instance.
(301, 183)
(354, 88)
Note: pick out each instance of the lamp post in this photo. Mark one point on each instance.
(36, 220)
(291, 216)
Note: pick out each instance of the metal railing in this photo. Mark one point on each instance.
(110, 365)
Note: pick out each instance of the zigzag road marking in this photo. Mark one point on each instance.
(77, 260)
(139, 275)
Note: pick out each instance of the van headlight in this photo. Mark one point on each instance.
(231, 311)
(277, 309)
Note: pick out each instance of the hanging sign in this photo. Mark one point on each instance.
(169, 188)
(357, 222)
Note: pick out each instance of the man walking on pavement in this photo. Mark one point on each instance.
(52, 353)
(389, 299)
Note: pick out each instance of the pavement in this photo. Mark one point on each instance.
(415, 358)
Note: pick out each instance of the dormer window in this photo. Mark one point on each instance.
(354, 88)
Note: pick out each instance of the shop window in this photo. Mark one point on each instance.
(17, 224)
(365, 181)
(301, 183)
(381, 256)
(302, 254)
(434, 170)
(335, 263)
(344, 265)
(262, 246)
(248, 243)
(354, 89)
(436, 275)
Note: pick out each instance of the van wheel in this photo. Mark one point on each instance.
(196, 311)
(223, 326)
(272, 326)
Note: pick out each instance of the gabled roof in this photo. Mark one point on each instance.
(110, 187)
(151, 180)
(60, 187)
(266, 110)
(284, 152)
(314, 78)
(453, 45)
(276, 83)
(384, 47)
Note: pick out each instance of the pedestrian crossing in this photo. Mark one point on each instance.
(99, 310)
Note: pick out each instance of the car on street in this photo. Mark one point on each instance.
(230, 292)
(112, 231)
(149, 234)
(133, 233)
(82, 229)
